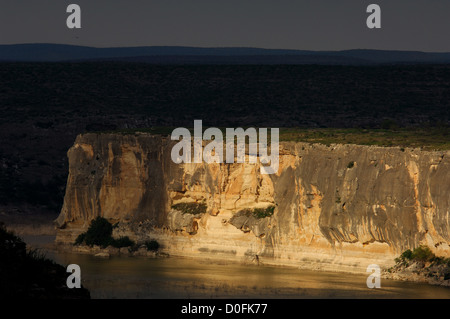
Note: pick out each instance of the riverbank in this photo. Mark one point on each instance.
(431, 271)
(28, 221)
(106, 252)
(420, 265)
(333, 208)
(126, 276)
(434, 271)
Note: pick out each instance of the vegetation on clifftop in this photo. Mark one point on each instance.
(425, 138)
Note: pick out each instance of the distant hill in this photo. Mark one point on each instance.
(195, 55)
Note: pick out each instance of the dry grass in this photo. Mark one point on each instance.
(433, 138)
(29, 224)
(427, 138)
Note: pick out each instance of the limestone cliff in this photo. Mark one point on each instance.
(338, 207)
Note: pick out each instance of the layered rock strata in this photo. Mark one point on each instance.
(338, 207)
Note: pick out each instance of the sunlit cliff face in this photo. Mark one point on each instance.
(340, 204)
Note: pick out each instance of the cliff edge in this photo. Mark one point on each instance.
(338, 207)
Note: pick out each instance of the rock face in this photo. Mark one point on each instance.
(338, 207)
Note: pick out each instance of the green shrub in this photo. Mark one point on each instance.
(80, 239)
(99, 233)
(191, 208)
(152, 245)
(447, 275)
(407, 255)
(263, 212)
(437, 260)
(351, 164)
(422, 253)
(122, 242)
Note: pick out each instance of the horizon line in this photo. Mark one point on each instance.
(216, 47)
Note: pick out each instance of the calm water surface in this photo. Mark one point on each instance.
(135, 277)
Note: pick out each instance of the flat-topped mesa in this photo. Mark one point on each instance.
(338, 207)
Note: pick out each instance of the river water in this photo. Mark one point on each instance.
(175, 277)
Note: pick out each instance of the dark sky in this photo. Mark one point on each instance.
(286, 24)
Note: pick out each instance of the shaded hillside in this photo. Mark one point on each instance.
(28, 274)
(286, 96)
(45, 105)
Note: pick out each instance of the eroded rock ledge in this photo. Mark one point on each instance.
(338, 207)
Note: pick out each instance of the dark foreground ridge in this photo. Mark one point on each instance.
(28, 274)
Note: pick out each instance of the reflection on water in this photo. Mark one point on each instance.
(133, 277)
